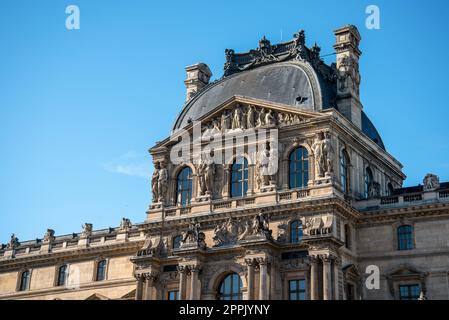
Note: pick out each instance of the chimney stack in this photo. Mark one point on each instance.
(348, 86)
(198, 76)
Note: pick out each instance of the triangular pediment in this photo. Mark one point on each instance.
(97, 296)
(241, 114)
(130, 295)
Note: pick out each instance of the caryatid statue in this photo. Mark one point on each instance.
(154, 182)
(162, 183)
(322, 149)
(206, 172)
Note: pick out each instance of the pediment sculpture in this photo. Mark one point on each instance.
(248, 117)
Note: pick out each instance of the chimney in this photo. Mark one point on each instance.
(348, 84)
(198, 76)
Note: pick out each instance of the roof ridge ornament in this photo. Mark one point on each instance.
(267, 53)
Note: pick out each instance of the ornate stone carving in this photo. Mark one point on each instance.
(317, 225)
(323, 151)
(162, 184)
(258, 228)
(152, 248)
(266, 168)
(13, 242)
(228, 232)
(374, 190)
(154, 182)
(431, 182)
(49, 236)
(193, 237)
(125, 224)
(206, 173)
(282, 232)
(87, 230)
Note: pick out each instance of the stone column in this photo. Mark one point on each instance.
(182, 282)
(337, 264)
(250, 288)
(272, 281)
(313, 278)
(194, 270)
(139, 286)
(327, 285)
(263, 267)
(150, 280)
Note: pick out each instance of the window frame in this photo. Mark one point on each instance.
(344, 171)
(96, 269)
(303, 174)
(180, 190)
(176, 292)
(20, 287)
(408, 240)
(298, 291)
(293, 229)
(241, 182)
(58, 275)
(232, 294)
(409, 295)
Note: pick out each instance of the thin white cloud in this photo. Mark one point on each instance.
(129, 165)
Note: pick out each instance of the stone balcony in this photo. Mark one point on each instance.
(251, 201)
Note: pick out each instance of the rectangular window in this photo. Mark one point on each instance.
(173, 295)
(297, 289)
(409, 292)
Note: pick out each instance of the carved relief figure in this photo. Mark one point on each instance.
(125, 224)
(236, 120)
(269, 118)
(250, 117)
(260, 118)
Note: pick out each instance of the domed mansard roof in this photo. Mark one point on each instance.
(288, 73)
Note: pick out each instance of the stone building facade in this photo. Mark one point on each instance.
(274, 184)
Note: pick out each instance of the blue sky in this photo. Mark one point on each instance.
(79, 109)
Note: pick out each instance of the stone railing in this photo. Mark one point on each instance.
(69, 242)
(403, 199)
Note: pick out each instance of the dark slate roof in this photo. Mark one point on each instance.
(284, 73)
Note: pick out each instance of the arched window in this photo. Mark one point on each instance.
(296, 231)
(239, 177)
(344, 171)
(184, 187)
(390, 189)
(101, 271)
(177, 241)
(62, 275)
(299, 168)
(368, 180)
(24, 280)
(405, 237)
(230, 288)
(347, 236)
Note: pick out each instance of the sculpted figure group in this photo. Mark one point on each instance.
(248, 117)
(159, 181)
